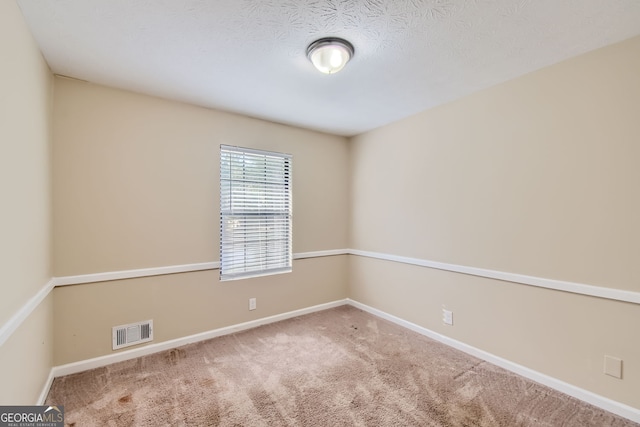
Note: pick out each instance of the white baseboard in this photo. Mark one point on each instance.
(46, 388)
(97, 362)
(25, 311)
(602, 402)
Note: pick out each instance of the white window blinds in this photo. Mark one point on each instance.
(255, 212)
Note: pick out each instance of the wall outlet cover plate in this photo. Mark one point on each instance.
(613, 366)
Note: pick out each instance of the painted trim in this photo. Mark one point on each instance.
(97, 362)
(317, 254)
(25, 311)
(558, 285)
(608, 293)
(131, 274)
(46, 388)
(578, 288)
(602, 402)
(172, 269)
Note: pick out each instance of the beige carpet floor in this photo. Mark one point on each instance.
(339, 367)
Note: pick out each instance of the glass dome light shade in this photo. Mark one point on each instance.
(330, 55)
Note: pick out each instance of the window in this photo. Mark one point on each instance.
(255, 212)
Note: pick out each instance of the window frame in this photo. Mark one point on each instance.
(256, 213)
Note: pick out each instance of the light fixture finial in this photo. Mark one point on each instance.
(330, 54)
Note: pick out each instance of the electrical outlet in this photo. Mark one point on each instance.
(252, 303)
(447, 317)
(613, 366)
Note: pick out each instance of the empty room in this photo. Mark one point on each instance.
(320, 212)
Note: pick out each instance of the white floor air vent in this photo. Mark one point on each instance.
(132, 334)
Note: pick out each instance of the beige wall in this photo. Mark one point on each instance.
(537, 176)
(185, 304)
(26, 358)
(136, 180)
(136, 185)
(25, 114)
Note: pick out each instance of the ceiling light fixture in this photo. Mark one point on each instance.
(330, 54)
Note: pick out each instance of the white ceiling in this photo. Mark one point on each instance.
(248, 56)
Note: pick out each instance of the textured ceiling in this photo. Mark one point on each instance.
(248, 56)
